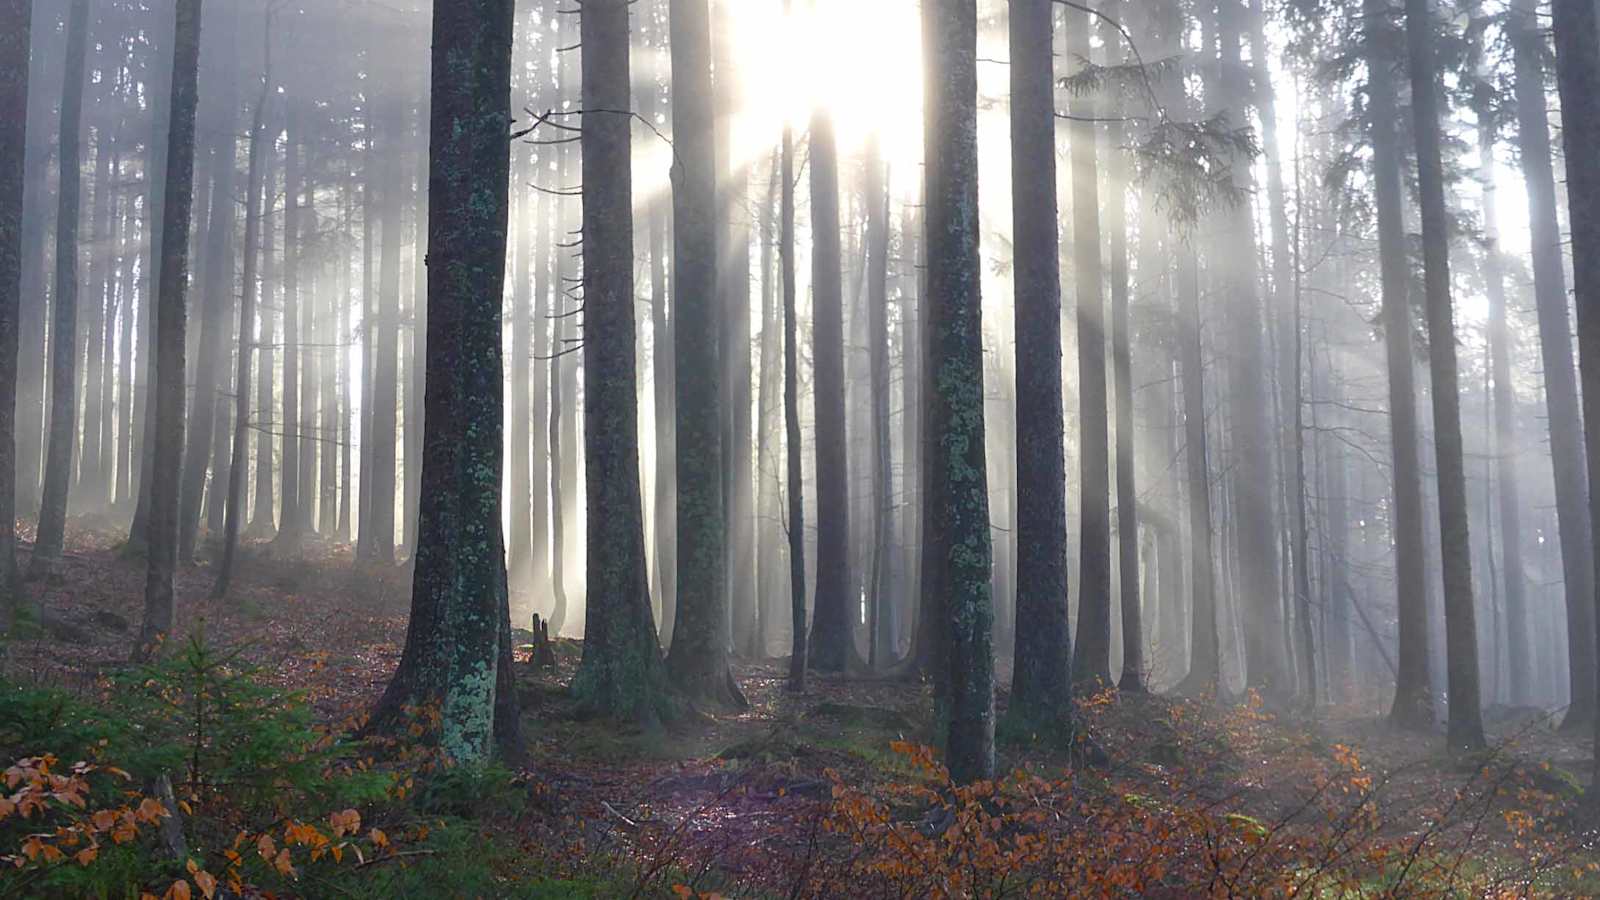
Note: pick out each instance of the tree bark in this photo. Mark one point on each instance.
(1578, 81)
(14, 56)
(454, 647)
(52, 529)
(957, 549)
(621, 674)
(698, 661)
(793, 475)
(1413, 695)
(1560, 377)
(831, 633)
(1464, 725)
(170, 326)
(1041, 681)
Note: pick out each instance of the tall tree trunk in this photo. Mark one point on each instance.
(1092, 659)
(457, 640)
(14, 47)
(880, 650)
(957, 550)
(216, 287)
(733, 243)
(90, 490)
(520, 496)
(1413, 695)
(386, 334)
(1505, 422)
(51, 534)
(170, 327)
(1133, 632)
(1041, 682)
(831, 638)
(698, 661)
(291, 526)
(1465, 725)
(621, 673)
(263, 522)
(793, 477)
(1205, 657)
(1560, 377)
(1578, 81)
(247, 343)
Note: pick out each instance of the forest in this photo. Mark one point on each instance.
(799, 448)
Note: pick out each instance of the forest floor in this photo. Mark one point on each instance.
(828, 794)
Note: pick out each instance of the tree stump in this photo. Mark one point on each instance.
(544, 652)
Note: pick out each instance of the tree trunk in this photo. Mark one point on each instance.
(1413, 695)
(1205, 663)
(698, 662)
(216, 288)
(879, 650)
(957, 550)
(1465, 724)
(621, 673)
(386, 334)
(1041, 683)
(14, 50)
(291, 527)
(170, 326)
(247, 343)
(831, 637)
(51, 534)
(262, 519)
(793, 475)
(454, 647)
(520, 496)
(1092, 658)
(1560, 378)
(1578, 80)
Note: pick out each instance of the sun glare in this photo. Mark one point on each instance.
(858, 59)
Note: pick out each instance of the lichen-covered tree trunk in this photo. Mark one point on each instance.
(14, 44)
(698, 661)
(830, 636)
(52, 529)
(1560, 376)
(454, 642)
(1578, 80)
(1041, 682)
(1464, 725)
(957, 550)
(1413, 697)
(621, 673)
(166, 398)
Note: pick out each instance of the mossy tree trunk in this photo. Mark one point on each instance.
(458, 641)
(957, 549)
